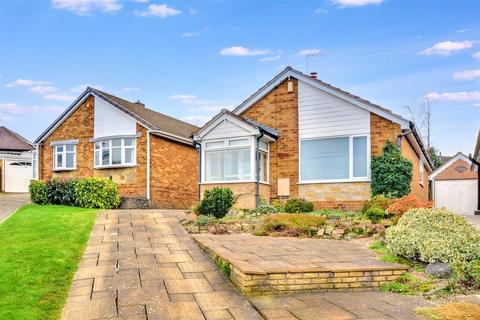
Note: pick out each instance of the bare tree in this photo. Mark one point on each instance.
(421, 116)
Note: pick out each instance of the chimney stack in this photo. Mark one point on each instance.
(313, 75)
(139, 103)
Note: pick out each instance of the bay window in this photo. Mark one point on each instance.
(234, 160)
(334, 159)
(114, 152)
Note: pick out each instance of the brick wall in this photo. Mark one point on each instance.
(451, 173)
(417, 189)
(243, 192)
(279, 110)
(173, 174)
(382, 130)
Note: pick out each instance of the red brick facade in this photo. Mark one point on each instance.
(458, 170)
(173, 166)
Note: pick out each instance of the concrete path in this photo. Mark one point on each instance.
(9, 202)
(144, 265)
(474, 219)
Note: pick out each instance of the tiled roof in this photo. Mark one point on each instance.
(157, 120)
(12, 141)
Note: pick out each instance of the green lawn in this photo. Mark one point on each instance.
(40, 247)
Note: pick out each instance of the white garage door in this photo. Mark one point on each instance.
(459, 196)
(18, 174)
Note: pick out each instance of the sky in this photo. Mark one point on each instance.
(189, 59)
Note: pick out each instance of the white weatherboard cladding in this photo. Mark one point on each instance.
(226, 129)
(109, 121)
(324, 115)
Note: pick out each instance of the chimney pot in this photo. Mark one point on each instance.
(139, 103)
(313, 75)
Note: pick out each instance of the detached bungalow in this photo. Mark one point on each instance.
(298, 136)
(151, 156)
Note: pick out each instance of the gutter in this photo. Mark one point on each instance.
(257, 169)
(148, 165)
(198, 146)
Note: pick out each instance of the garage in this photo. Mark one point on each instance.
(18, 173)
(454, 186)
(16, 165)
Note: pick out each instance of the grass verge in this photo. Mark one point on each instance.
(451, 311)
(39, 253)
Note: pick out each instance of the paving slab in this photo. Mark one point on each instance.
(142, 264)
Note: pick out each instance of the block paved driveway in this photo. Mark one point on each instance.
(144, 265)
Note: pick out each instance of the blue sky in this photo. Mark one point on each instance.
(188, 59)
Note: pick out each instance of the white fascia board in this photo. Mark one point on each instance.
(242, 124)
(443, 167)
(404, 124)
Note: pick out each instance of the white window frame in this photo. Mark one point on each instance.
(64, 167)
(267, 153)
(35, 164)
(351, 178)
(122, 147)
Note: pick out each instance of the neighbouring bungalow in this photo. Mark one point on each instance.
(298, 136)
(151, 156)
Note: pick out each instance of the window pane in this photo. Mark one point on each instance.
(128, 141)
(244, 164)
(105, 157)
(97, 145)
(59, 162)
(263, 166)
(70, 160)
(239, 142)
(360, 157)
(59, 148)
(116, 142)
(129, 155)
(232, 164)
(70, 147)
(105, 144)
(214, 164)
(116, 155)
(97, 157)
(325, 159)
(215, 144)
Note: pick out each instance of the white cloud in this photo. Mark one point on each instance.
(462, 30)
(59, 97)
(182, 97)
(242, 51)
(454, 96)
(158, 10)
(355, 3)
(197, 120)
(85, 7)
(476, 55)
(272, 58)
(309, 52)
(476, 105)
(43, 89)
(467, 74)
(446, 48)
(140, 1)
(13, 108)
(26, 83)
(194, 33)
(320, 11)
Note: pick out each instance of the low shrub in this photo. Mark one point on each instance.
(202, 221)
(216, 202)
(375, 214)
(38, 192)
(97, 193)
(466, 274)
(408, 284)
(434, 235)
(61, 191)
(291, 224)
(278, 204)
(298, 206)
(264, 208)
(404, 204)
(379, 201)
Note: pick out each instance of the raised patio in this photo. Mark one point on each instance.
(263, 265)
